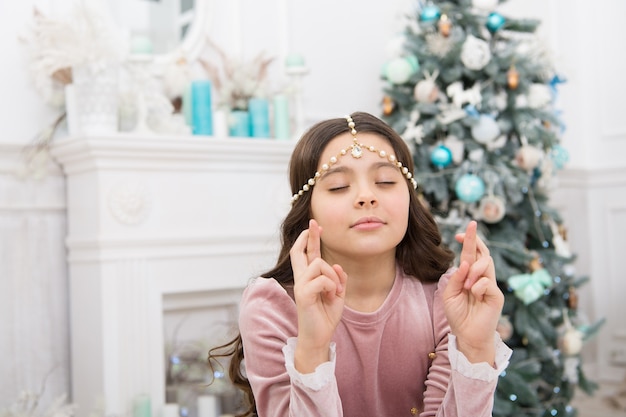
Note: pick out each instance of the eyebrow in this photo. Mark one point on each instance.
(342, 168)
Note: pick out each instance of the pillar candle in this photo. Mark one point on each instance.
(259, 117)
(208, 406)
(220, 123)
(141, 406)
(141, 44)
(201, 107)
(187, 105)
(281, 117)
(71, 111)
(294, 60)
(239, 123)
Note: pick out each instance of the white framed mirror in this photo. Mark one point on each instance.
(165, 30)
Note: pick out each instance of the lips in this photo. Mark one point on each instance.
(368, 221)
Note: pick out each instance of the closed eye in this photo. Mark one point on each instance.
(338, 188)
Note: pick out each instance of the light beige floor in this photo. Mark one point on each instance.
(599, 405)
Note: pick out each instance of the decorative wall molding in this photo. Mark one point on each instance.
(592, 177)
(595, 202)
(129, 201)
(34, 285)
(12, 156)
(165, 247)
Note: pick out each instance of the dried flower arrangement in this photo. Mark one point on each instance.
(28, 404)
(86, 37)
(238, 81)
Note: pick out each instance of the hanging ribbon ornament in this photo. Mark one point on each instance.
(530, 287)
(554, 83)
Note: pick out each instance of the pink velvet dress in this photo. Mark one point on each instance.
(380, 364)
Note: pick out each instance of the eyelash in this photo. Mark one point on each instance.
(343, 187)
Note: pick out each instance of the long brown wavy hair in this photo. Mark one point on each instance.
(421, 253)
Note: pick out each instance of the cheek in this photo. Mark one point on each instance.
(323, 210)
(401, 209)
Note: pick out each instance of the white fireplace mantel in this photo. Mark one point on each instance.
(157, 216)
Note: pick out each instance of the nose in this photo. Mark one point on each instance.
(366, 197)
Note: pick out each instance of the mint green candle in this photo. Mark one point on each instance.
(141, 406)
(281, 117)
(294, 60)
(187, 106)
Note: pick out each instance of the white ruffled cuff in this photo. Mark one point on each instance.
(482, 370)
(315, 381)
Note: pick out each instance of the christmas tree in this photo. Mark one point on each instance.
(474, 93)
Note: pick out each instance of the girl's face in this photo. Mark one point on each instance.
(362, 204)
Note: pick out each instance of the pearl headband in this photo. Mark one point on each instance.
(356, 150)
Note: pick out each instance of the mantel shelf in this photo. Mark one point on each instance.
(139, 151)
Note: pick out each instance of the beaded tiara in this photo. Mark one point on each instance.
(356, 150)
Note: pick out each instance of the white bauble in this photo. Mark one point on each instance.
(475, 53)
(485, 5)
(486, 130)
(539, 95)
(528, 157)
(476, 155)
(492, 209)
(497, 143)
(572, 341)
(456, 146)
(499, 100)
(521, 101)
(426, 91)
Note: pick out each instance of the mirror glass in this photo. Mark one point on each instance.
(157, 27)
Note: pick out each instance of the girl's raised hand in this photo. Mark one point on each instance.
(319, 290)
(473, 302)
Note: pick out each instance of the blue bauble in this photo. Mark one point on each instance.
(430, 13)
(559, 156)
(470, 188)
(495, 21)
(441, 156)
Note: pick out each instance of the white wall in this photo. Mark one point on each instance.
(344, 44)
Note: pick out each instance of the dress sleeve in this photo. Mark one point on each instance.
(454, 386)
(267, 320)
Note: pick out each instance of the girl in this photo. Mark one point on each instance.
(362, 314)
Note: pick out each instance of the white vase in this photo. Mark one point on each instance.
(96, 99)
(71, 111)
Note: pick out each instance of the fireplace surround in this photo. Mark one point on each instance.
(160, 227)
